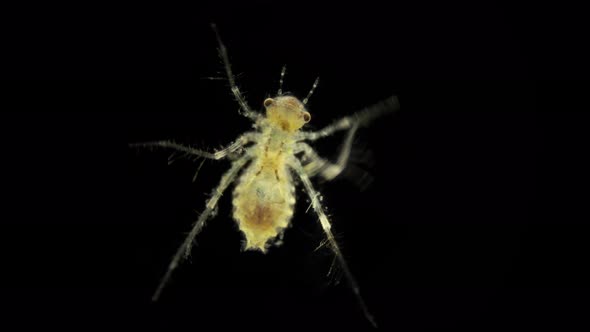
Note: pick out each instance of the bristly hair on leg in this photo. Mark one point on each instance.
(298, 168)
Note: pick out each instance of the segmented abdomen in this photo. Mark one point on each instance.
(263, 205)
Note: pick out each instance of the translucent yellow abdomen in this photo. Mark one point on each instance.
(263, 203)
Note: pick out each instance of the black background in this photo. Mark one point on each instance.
(454, 231)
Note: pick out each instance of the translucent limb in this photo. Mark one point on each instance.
(326, 226)
(184, 250)
(232, 81)
(232, 148)
(361, 118)
(321, 166)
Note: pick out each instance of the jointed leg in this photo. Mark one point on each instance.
(362, 118)
(184, 250)
(315, 203)
(230, 76)
(319, 165)
(235, 146)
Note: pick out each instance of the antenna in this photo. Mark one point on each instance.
(281, 80)
(315, 84)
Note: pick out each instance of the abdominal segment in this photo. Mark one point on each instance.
(262, 208)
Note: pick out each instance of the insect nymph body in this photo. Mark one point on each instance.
(267, 160)
(265, 195)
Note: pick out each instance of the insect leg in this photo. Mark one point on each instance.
(316, 205)
(232, 81)
(184, 249)
(234, 147)
(319, 165)
(362, 118)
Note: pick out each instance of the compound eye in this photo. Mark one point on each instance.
(268, 102)
(306, 117)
